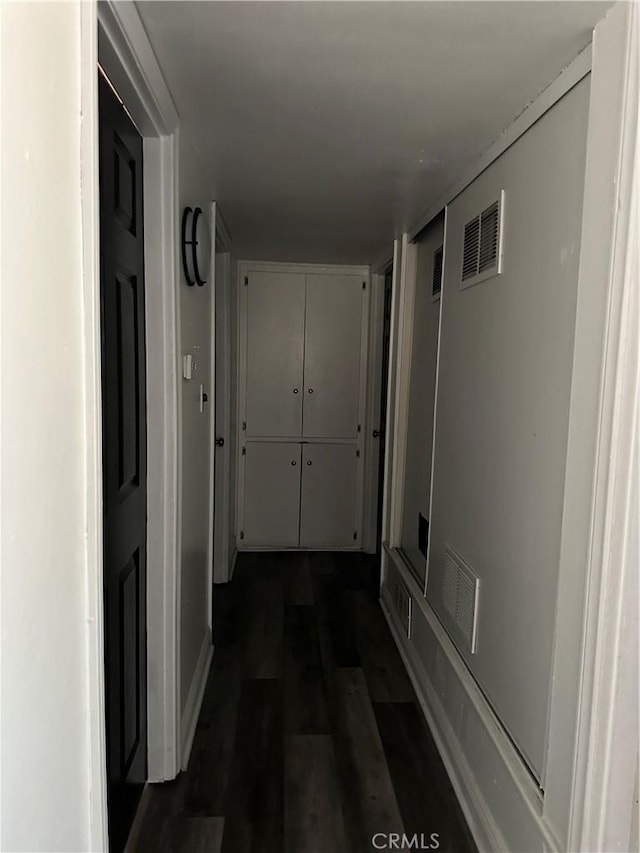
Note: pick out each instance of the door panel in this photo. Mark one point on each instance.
(124, 460)
(332, 356)
(272, 494)
(328, 514)
(275, 352)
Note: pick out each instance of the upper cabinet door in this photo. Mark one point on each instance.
(275, 353)
(332, 356)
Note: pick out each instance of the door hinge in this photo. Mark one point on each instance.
(244, 426)
(355, 535)
(357, 453)
(244, 451)
(246, 280)
(364, 285)
(242, 534)
(359, 428)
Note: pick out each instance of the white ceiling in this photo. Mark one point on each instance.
(327, 127)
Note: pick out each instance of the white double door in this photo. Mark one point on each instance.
(301, 454)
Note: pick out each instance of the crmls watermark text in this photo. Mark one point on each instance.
(395, 841)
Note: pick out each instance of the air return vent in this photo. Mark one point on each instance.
(460, 588)
(401, 599)
(436, 285)
(482, 244)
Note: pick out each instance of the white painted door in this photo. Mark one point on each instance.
(275, 352)
(271, 494)
(332, 356)
(328, 513)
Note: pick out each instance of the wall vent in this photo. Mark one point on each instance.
(482, 244)
(460, 594)
(436, 284)
(401, 599)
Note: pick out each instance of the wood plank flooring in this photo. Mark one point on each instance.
(310, 738)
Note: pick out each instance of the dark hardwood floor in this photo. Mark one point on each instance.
(310, 737)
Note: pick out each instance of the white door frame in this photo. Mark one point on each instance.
(219, 511)
(374, 393)
(114, 33)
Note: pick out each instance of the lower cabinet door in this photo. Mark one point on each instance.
(272, 495)
(328, 512)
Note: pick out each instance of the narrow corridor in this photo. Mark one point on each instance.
(310, 737)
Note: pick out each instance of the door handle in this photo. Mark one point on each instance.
(220, 442)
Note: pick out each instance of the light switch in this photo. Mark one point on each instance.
(187, 366)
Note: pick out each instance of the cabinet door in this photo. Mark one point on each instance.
(272, 494)
(328, 511)
(275, 351)
(332, 356)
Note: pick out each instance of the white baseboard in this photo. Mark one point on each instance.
(502, 802)
(194, 699)
(485, 832)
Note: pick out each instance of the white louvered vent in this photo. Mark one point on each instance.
(482, 244)
(401, 598)
(460, 593)
(436, 285)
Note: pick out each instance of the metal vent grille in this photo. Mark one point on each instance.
(401, 598)
(436, 285)
(482, 250)
(460, 589)
(471, 248)
(489, 223)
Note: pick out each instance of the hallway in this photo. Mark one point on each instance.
(310, 738)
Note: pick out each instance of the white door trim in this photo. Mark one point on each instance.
(390, 426)
(98, 822)
(114, 33)
(402, 385)
(372, 419)
(606, 751)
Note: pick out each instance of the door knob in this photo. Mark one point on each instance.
(309, 462)
(220, 442)
(293, 462)
(311, 390)
(376, 433)
(295, 390)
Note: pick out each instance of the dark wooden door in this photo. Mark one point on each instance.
(124, 460)
(384, 393)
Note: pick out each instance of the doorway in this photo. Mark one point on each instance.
(380, 432)
(124, 459)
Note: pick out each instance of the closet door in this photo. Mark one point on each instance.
(328, 513)
(275, 352)
(332, 356)
(271, 494)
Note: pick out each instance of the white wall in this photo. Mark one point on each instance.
(46, 500)
(504, 384)
(195, 321)
(422, 391)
